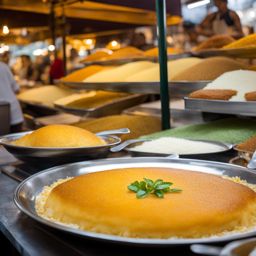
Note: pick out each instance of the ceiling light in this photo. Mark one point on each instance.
(88, 41)
(5, 30)
(113, 45)
(51, 47)
(198, 3)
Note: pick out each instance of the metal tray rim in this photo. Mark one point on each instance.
(119, 239)
(246, 108)
(6, 144)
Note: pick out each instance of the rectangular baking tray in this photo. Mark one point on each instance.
(38, 108)
(112, 108)
(243, 108)
(245, 52)
(177, 89)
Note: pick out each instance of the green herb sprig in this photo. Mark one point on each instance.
(148, 186)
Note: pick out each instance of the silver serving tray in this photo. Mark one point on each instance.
(177, 88)
(112, 108)
(59, 155)
(27, 191)
(225, 147)
(245, 108)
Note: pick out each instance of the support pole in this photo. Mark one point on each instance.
(64, 42)
(162, 48)
(53, 27)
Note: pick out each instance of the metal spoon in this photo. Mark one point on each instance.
(113, 132)
(252, 164)
(126, 143)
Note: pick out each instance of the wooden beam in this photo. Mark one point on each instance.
(96, 11)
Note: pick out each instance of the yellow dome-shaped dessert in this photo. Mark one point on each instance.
(59, 136)
(101, 202)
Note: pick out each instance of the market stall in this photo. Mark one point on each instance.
(100, 171)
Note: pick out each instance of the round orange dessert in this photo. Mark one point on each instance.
(58, 136)
(101, 202)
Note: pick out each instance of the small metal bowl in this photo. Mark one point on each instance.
(47, 155)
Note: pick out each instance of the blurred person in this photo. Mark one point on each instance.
(5, 57)
(191, 36)
(40, 64)
(56, 68)
(223, 21)
(8, 88)
(138, 40)
(26, 71)
(73, 60)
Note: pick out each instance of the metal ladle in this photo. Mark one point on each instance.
(114, 132)
(125, 144)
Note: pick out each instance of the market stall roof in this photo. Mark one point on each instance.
(104, 10)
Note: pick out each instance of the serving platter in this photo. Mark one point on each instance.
(177, 88)
(27, 191)
(56, 155)
(244, 108)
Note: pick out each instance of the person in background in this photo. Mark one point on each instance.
(26, 71)
(73, 60)
(40, 64)
(190, 39)
(8, 88)
(56, 68)
(224, 21)
(5, 57)
(138, 40)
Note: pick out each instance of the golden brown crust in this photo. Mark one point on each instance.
(101, 202)
(250, 96)
(213, 94)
